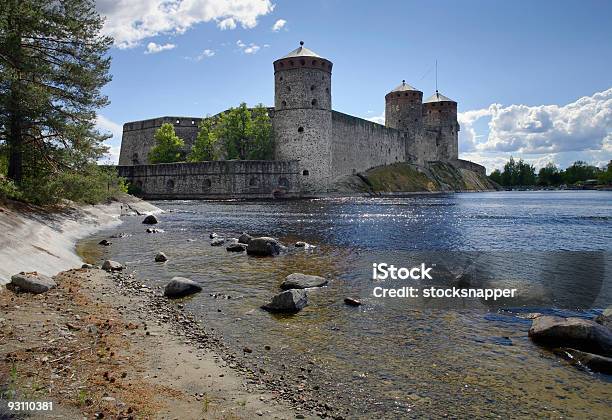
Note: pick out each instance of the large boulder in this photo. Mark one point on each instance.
(150, 220)
(264, 247)
(181, 286)
(302, 281)
(32, 282)
(594, 362)
(289, 301)
(578, 333)
(245, 238)
(605, 318)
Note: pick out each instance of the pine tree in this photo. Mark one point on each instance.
(53, 65)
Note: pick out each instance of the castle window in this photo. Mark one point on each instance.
(405, 94)
(398, 95)
(313, 102)
(312, 87)
(326, 90)
(288, 88)
(170, 185)
(284, 104)
(135, 160)
(280, 78)
(300, 129)
(314, 62)
(253, 182)
(206, 184)
(305, 172)
(302, 61)
(291, 62)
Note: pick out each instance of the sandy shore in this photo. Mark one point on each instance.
(101, 346)
(43, 239)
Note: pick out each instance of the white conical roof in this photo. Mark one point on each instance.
(404, 87)
(437, 97)
(302, 51)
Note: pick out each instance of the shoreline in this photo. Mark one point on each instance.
(44, 239)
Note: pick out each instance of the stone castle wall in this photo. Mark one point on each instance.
(138, 137)
(218, 179)
(358, 145)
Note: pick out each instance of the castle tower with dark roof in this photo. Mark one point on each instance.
(440, 122)
(302, 120)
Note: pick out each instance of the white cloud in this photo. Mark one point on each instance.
(580, 130)
(248, 49)
(107, 126)
(380, 119)
(153, 48)
(278, 25)
(131, 21)
(205, 54)
(228, 23)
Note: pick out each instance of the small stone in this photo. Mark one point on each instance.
(161, 257)
(302, 281)
(32, 282)
(217, 242)
(264, 247)
(247, 350)
(352, 302)
(104, 242)
(213, 235)
(293, 300)
(110, 265)
(181, 286)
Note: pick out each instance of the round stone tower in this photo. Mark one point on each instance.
(403, 107)
(440, 116)
(302, 120)
(404, 112)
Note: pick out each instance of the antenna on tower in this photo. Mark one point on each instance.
(436, 76)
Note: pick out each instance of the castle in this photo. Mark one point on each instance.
(326, 145)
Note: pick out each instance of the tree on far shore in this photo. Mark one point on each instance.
(519, 173)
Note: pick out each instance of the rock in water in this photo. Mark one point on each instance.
(302, 281)
(213, 235)
(264, 247)
(289, 301)
(87, 266)
(181, 286)
(352, 302)
(104, 242)
(150, 220)
(32, 282)
(578, 333)
(152, 230)
(245, 238)
(217, 242)
(110, 265)
(236, 247)
(594, 362)
(605, 318)
(161, 257)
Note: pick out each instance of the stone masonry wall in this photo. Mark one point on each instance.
(358, 145)
(218, 179)
(138, 137)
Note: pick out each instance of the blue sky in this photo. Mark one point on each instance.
(517, 69)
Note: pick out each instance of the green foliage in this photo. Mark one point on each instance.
(550, 175)
(515, 173)
(53, 66)
(579, 171)
(261, 146)
(239, 133)
(92, 184)
(605, 177)
(204, 147)
(168, 146)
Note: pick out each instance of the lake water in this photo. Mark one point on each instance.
(399, 357)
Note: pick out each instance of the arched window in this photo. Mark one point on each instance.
(135, 160)
(305, 172)
(170, 184)
(284, 104)
(288, 88)
(283, 182)
(300, 129)
(313, 87)
(313, 102)
(302, 61)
